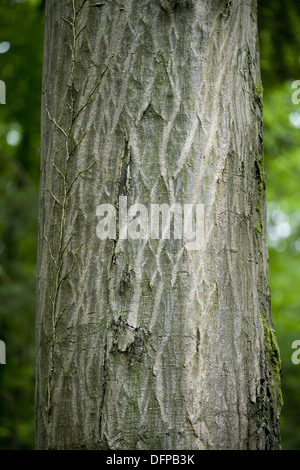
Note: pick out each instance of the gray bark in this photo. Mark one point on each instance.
(142, 344)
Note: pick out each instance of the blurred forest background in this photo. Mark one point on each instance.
(21, 51)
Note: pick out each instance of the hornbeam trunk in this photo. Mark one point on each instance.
(143, 343)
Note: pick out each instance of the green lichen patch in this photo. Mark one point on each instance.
(259, 91)
(273, 353)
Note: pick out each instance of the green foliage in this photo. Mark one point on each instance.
(282, 163)
(280, 42)
(21, 24)
(280, 67)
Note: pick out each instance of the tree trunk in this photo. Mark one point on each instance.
(144, 344)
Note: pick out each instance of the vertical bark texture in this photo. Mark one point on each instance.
(143, 344)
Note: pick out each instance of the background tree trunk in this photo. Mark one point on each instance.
(143, 344)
